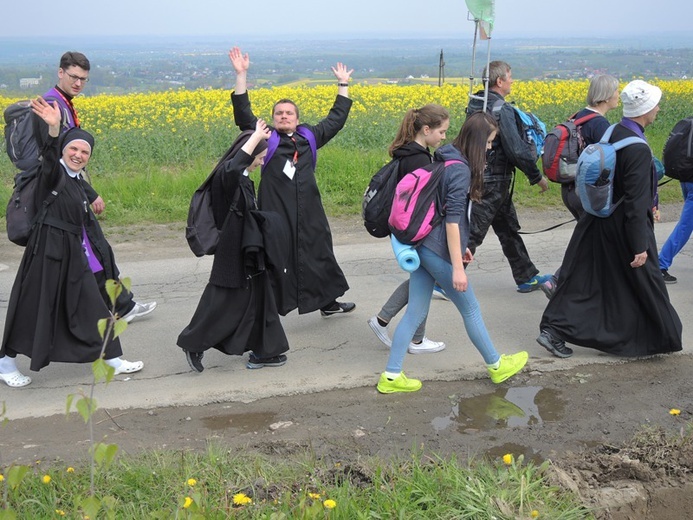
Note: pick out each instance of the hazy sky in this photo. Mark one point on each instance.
(319, 17)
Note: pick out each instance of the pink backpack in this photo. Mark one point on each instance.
(417, 208)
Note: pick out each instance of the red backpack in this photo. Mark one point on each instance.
(562, 148)
(417, 208)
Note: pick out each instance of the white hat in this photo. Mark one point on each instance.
(639, 97)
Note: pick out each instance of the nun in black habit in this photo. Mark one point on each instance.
(55, 303)
(237, 312)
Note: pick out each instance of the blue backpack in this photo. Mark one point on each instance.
(532, 129)
(594, 180)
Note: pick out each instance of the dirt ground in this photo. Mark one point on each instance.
(583, 420)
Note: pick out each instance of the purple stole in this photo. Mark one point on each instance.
(68, 118)
(273, 143)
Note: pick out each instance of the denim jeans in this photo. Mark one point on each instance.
(396, 303)
(682, 232)
(433, 268)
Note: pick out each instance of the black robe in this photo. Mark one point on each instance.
(601, 302)
(55, 303)
(237, 311)
(315, 279)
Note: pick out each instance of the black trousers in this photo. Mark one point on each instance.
(496, 210)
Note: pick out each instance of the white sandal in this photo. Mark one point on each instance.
(128, 367)
(15, 379)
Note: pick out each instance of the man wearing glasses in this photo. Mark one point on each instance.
(73, 75)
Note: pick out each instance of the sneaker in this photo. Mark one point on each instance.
(195, 360)
(426, 346)
(399, 384)
(555, 346)
(667, 277)
(337, 308)
(139, 310)
(509, 366)
(256, 362)
(380, 331)
(438, 291)
(549, 287)
(534, 283)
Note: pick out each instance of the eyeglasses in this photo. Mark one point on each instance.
(76, 78)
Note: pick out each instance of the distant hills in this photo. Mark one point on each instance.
(150, 63)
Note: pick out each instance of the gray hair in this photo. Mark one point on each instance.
(496, 70)
(602, 87)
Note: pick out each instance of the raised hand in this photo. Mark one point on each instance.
(262, 129)
(240, 61)
(341, 73)
(50, 113)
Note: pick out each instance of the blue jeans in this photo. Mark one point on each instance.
(682, 232)
(433, 268)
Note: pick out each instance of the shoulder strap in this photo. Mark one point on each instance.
(583, 119)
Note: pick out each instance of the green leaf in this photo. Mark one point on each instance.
(15, 475)
(104, 454)
(127, 283)
(86, 407)
(91, 506)
(102, 370)
(119, 328)
(102, 324)
(113, 289)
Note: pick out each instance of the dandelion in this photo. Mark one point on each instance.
(314, 496)
(675, 411)
(192, 482)
(46, 479)
(241, 499)
(534, 514)
(2, 477)
(507, 459)
(188, 502)
(60, 512)
(329, 503)
(70, 469)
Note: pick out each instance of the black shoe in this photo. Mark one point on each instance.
(549, 287)
(667, 277)
(337, 308)
(195, 360)
(555, 346)
(256, 362)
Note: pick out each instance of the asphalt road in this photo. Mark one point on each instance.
(326, 353)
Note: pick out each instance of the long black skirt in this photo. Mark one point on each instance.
(235, 321)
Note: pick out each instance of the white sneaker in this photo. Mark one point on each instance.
(380, 331)
(426, 347)
(440, 293)
(128, 367)
(139, 310)
(15, 379)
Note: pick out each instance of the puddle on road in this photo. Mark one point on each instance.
(504, 408)
(246, 422)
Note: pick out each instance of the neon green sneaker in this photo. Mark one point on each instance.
(400, 384)
(509, 366)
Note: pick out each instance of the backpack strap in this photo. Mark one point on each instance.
(303, 131)
(581, 121)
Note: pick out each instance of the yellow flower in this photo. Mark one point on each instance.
(2, 477)
(329, 503)
(675, 411)
(534, 514)
(188, 502)
(46, 479)
(508, 459)
(314, 496)
(192, 482)
(241, 499)
(60, 512)
(70, 469)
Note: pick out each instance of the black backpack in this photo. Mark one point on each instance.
(377, 200)
(678, 151)
(20, 143)
(22, 213)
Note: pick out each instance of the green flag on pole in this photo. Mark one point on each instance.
(483, 11)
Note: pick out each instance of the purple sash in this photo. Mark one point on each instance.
(67, 119)
(273, 143)
(94, 263)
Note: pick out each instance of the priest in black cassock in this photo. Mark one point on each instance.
(288, 186)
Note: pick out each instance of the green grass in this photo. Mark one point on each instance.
(156, 484)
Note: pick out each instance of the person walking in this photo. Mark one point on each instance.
(509, 151)
(611, 296)
(443, 254)
(421, 129)
(289, 187)
(55, 303)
